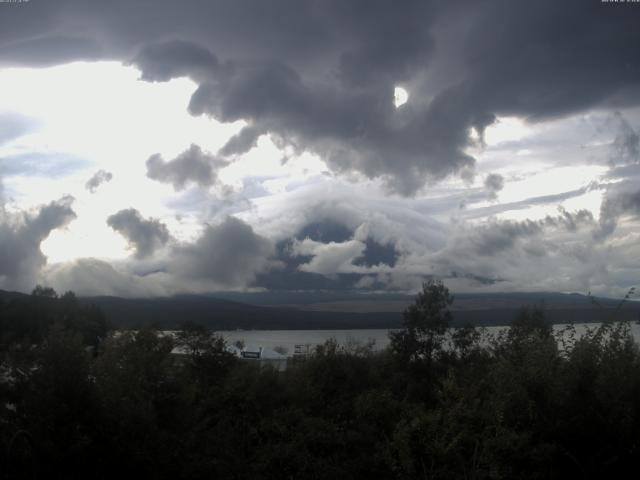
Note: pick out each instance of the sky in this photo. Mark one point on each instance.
(152, 148)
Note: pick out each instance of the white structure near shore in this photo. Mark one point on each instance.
(264, 355)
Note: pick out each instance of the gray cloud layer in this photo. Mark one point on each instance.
(494, 183)
(227, 255)
(144, 235)
(191, 166)
(626, 145)
(20, 239)
(92, 276)
(98, 178)
(242, 142)
(166, 60)
(620, 200)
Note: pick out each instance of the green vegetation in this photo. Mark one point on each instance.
(78, 401)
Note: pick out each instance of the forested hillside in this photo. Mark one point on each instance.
(318, 310)
(79, 400)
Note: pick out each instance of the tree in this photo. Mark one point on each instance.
(425, 323)
(44, 292)
(57, 405)
(142, 403)
(206, 356)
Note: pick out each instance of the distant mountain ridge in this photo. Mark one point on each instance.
(318, 310)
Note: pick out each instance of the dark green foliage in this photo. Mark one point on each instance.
(205, 358)
(141, 402)
(425, 323)
(27, 320)
(441, 403)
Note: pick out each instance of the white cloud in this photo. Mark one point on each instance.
(329, 258)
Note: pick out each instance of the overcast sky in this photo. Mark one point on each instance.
(153, 147)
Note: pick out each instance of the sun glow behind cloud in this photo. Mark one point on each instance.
(104, 115)
(104, 112)
(506, 129)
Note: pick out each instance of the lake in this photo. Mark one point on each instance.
(290, 338)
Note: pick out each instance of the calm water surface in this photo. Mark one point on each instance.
(311, 338)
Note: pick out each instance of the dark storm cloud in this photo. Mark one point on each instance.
(98, 178)
(352, 129)
(49, 50)
(626, 145)
(320, 75)
(624, 153)
(54, 215)
(230, 254)
(20, 238)
(376, 253)
(144, 235)
(621, 199)
(163, 61)
(499, 236)
(494, 183)
(549, 59)
(191, 166)
(325, 230)
(358, 129)
(568, 220)
(242, 142)
(292, 279)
